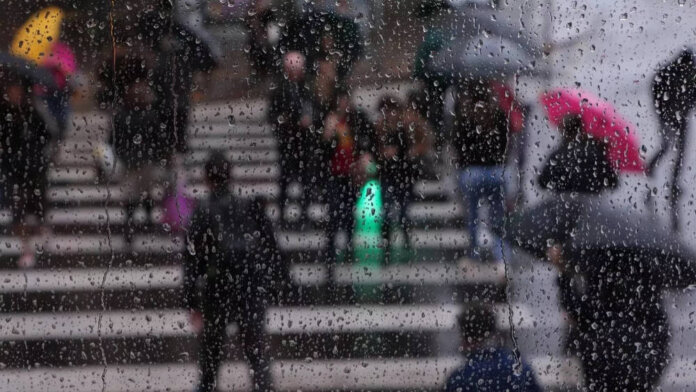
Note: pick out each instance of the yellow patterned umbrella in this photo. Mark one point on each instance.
(34, 39)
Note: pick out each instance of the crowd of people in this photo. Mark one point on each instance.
(234, 269)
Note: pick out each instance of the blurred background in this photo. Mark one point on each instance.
(397, 162)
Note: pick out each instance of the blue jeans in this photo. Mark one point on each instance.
(483, 183)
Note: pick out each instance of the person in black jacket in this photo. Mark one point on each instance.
(480, 141)
(612, 315)
(232, 255)
(347, 135)
(674, 95)
(579, 164)
(290, 114)
(403, 141)
(23, 160)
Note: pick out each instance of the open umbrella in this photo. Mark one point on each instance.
(25, 69)
(485, 56)
(62, 58)
(587, 228)
(35, 37)
(601, 120)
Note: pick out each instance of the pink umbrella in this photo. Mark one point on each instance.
(600, 120)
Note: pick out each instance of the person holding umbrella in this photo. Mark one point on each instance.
(23, 159)
(612, 264)
(579, 164)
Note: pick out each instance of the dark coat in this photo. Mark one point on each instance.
(674, 87)
(492, 369)
(620, 331)
(23, 161)
(481, 147)
(304, 33)
(232, 255)
(579, 166)
(139, 139)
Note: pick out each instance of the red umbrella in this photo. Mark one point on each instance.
(601, 120)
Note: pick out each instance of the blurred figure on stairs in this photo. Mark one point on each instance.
(290, 114)
(232, 272)
(23, 161)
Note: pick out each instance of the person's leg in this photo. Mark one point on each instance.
(495, 194)
(401, 201)
(469, 185)
(675, 190)
(348, 215)
(388, 201)
(255, 347)
(211, 349)
(652, 164)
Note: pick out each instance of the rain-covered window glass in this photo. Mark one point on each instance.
(347, 195)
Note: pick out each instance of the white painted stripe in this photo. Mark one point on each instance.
(290, 241)
(63, 244)
(424, 273)
(89, 279)
(283, 320)
(258, 156)
(170, 277)
(232, 142)
(72, 174)
(316, 375)
(92, 216)
(223, 128)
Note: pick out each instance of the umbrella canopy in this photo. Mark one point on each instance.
(35, 37)
(485, 57)
(25, 69)
(601, 120)
(62, 58)
(586, 228)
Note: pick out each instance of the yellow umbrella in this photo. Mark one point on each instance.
(34, 39)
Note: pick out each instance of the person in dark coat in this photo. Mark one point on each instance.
(403, 140)
(347, 134)
(619, 327)
(480, 143)
(23, 160)
(674, 95)
(490, 366)
(290, 113)
(579, 164)
(179, 52)
(613, 318)
(140, 143)
(232, 273)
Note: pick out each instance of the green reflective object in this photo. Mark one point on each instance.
(367, 237)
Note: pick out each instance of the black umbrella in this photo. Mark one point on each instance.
(24, 69)
(592, 233)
